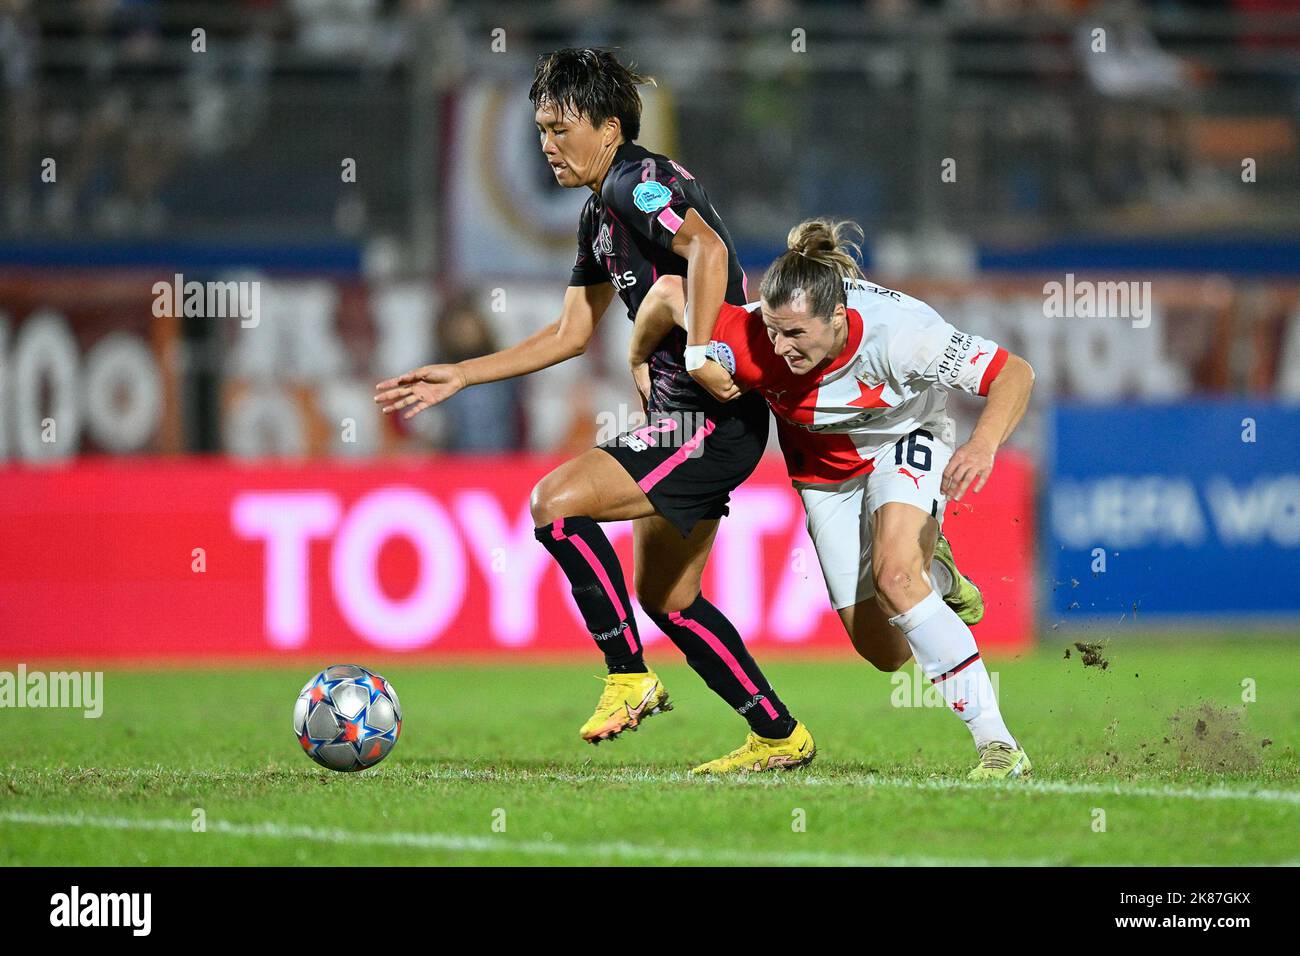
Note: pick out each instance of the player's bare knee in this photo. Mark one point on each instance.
(551, 499)
(657, 601)
(655, 605)
(539, 504)
(901, 583)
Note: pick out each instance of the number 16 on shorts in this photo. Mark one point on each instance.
(911, 471)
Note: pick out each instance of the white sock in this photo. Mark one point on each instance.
(945, 649)
(941, 578)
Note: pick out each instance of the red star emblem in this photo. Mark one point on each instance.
(959, 705)
(352, 730)
(374, 751)
(305, 742)
(869, 397)
(317, 693)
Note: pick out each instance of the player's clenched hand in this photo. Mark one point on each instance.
(716, 380)
(973, 461)
(419, 389)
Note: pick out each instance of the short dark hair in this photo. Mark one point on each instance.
(592, 83)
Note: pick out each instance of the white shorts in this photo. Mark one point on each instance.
(841, 515)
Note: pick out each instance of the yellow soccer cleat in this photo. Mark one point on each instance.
(1001, 761)
(760, 753)
(965, 597)
(627, 700)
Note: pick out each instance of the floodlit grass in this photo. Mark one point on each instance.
(498, 744)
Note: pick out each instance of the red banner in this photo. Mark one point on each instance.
(205, 559)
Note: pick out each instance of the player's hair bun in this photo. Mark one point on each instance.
(829, 243)
(821, 255)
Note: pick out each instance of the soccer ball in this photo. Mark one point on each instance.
(347, 718)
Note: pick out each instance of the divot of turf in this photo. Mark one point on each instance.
(1210, 737)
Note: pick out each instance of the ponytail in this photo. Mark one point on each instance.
(821, 254)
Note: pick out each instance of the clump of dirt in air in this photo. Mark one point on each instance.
(1090, 653)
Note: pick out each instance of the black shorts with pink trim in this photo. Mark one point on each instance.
(688, 462)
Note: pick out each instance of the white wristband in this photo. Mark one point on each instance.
(696, 356)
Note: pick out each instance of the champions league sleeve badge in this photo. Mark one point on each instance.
(651, 196)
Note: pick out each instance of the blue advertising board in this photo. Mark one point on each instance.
(1174, 510)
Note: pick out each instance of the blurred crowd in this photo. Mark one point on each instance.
(110, 87)
(113, 128)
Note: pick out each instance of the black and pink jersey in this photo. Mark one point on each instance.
(892, 377)
(625, 236)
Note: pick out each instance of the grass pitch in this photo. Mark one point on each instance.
(490, 770)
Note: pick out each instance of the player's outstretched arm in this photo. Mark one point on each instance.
(430, 385)
(1008, 397)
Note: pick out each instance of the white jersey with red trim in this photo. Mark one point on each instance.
(892, 377)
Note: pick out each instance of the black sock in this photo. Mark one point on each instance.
(589, 562)
(715, 651)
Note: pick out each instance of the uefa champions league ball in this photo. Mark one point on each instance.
(347, 718)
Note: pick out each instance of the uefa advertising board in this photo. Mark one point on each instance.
(1174, 510)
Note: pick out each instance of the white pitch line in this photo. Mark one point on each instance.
(796, 779)
(477, 844)
(799, 778)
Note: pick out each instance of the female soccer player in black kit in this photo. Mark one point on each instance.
(646, 217)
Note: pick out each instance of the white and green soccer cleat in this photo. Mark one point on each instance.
(1001, 761)
(965, 597)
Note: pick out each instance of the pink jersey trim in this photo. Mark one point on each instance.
(665, 467)
(670, 221)
(727, 657)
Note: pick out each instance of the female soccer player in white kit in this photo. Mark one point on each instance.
(857, 375)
